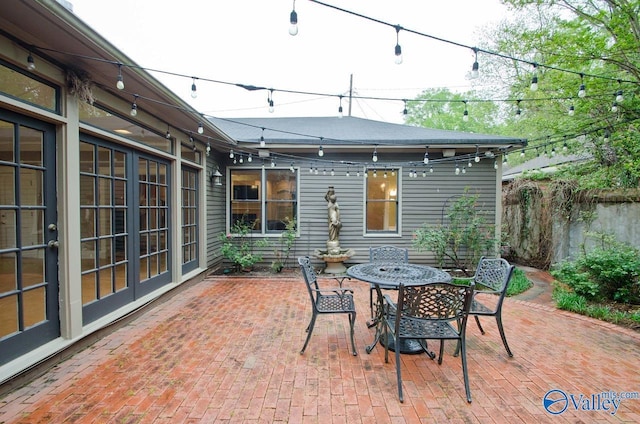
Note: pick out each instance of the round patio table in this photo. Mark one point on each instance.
(388, 276)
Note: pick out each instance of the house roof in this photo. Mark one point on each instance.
(352, 131)
(50, 30)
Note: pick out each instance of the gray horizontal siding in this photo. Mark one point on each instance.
(422, 199)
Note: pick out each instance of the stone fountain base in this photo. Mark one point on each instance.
(334, 257)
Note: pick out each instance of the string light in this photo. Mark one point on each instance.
(534, 78)
(457, 169)
(231, 155)
(475, 73)
(240, 159)
(518, 110)
(250, 158)
(619, 93)
(375, 155)
(291, 168)
(273, 163)
(293, 20)
(340, 114)
(607, 135)
(262, 142)
(572, 110)
(194, 90)
(495, 164)
(320, 151)
(134, 106)
(522, 153)
(477, 158)
(200, 128)
(168, 134)
(398, 49)
(426, 156)
(120, 81)
(333, 172)
(208, 149)
(465, 114)
(464, 170)
(614, 107)
(404, 111)
(270, 100)
(31, 64)
(582, 92)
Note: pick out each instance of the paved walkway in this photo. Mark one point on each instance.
(227, 351)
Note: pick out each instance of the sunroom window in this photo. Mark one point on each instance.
(382, 201)
(263, 199)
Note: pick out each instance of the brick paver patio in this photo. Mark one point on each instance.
(226, 350)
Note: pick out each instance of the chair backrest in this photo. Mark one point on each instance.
(435, 301)
(494, 273)
(388, 254)
(310, 277)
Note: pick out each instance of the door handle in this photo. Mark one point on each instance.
(53, 244)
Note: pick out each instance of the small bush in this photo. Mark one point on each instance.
(519, 283)
(570, 301)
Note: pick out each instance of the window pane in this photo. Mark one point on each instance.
(25, 88)
(382, 201)
(7, 143)
(30, 146)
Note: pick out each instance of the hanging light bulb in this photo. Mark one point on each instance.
(291, 168)
(134, 106)
(475, 73)
(347, 173)
(522, 153)
(465, 114)
(582, 92)
(426, 156)
(31, 64)
(398, 49)
(250, 158)
(120, 81)
(320, 151)
(231, 154)
(194, 90)
(358, 173)
(518, 110)
(262, 142)
(385, 174)
(572, 110)
(273, 164)
(340, 114)
(534, 78)
(607, 135)
(457, 169)
(477, 158)
(240, 159)
(316, 171)
(424, 173)
(431, 169)
(565, 147)
(619, 95)
(200, 128)
(270, 100)
(375, 173)
(208, 148)
(333, 172)
(375, 155)
(168, 134)
(293, 20)
(404, 111)
(495, 164)
(464, 170)
(614, 107)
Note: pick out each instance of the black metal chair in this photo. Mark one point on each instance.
(436, 311)
(387, 254)
(492, 276)
(327, 301)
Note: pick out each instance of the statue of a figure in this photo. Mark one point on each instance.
(333, 212)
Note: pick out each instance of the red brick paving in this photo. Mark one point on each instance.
(227, 351)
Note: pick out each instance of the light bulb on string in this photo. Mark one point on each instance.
(262, 142)
(534, 78)
(522, 153)
(168, 134)
(404, 111)
(398, 49)
(582, 91)
(200, 128)
(120, 81)
(465, 114)
(475, 73)
(320, 151)
(431, 170)
(457, 169)
(424, 173)
(208, 149)
(495, 164)
(375, 155)
(31, 64)
(426, 156)
(607, 135)
(241, 159)
(464, 170)
(134, 106)
(347, 173)
(250, 158)
(614, 107)
(333, 172)
(270, 100)
(273, 163)
(477, 158)
(518, 110)
(375, 173)
(572, 110)
(385, 174)
(231, 155)
(619, 95)
(340, 114)
(194, 90)
(293, 20)
(291, 168)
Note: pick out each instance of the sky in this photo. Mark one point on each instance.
(248, 42)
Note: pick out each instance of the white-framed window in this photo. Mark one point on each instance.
(382, 201)
(263, 199)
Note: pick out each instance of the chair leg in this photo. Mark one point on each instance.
(371, 301)
(352, 322)
(478, 322)
(463, 354)
(309, 331)
(397, 349)
(504, 338)
(441, 352)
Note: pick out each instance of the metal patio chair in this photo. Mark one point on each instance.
(337, 300)
(386, 254)
(492, 276)
(433, 311)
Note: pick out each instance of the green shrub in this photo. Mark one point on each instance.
(237, 246)
(570, 301)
